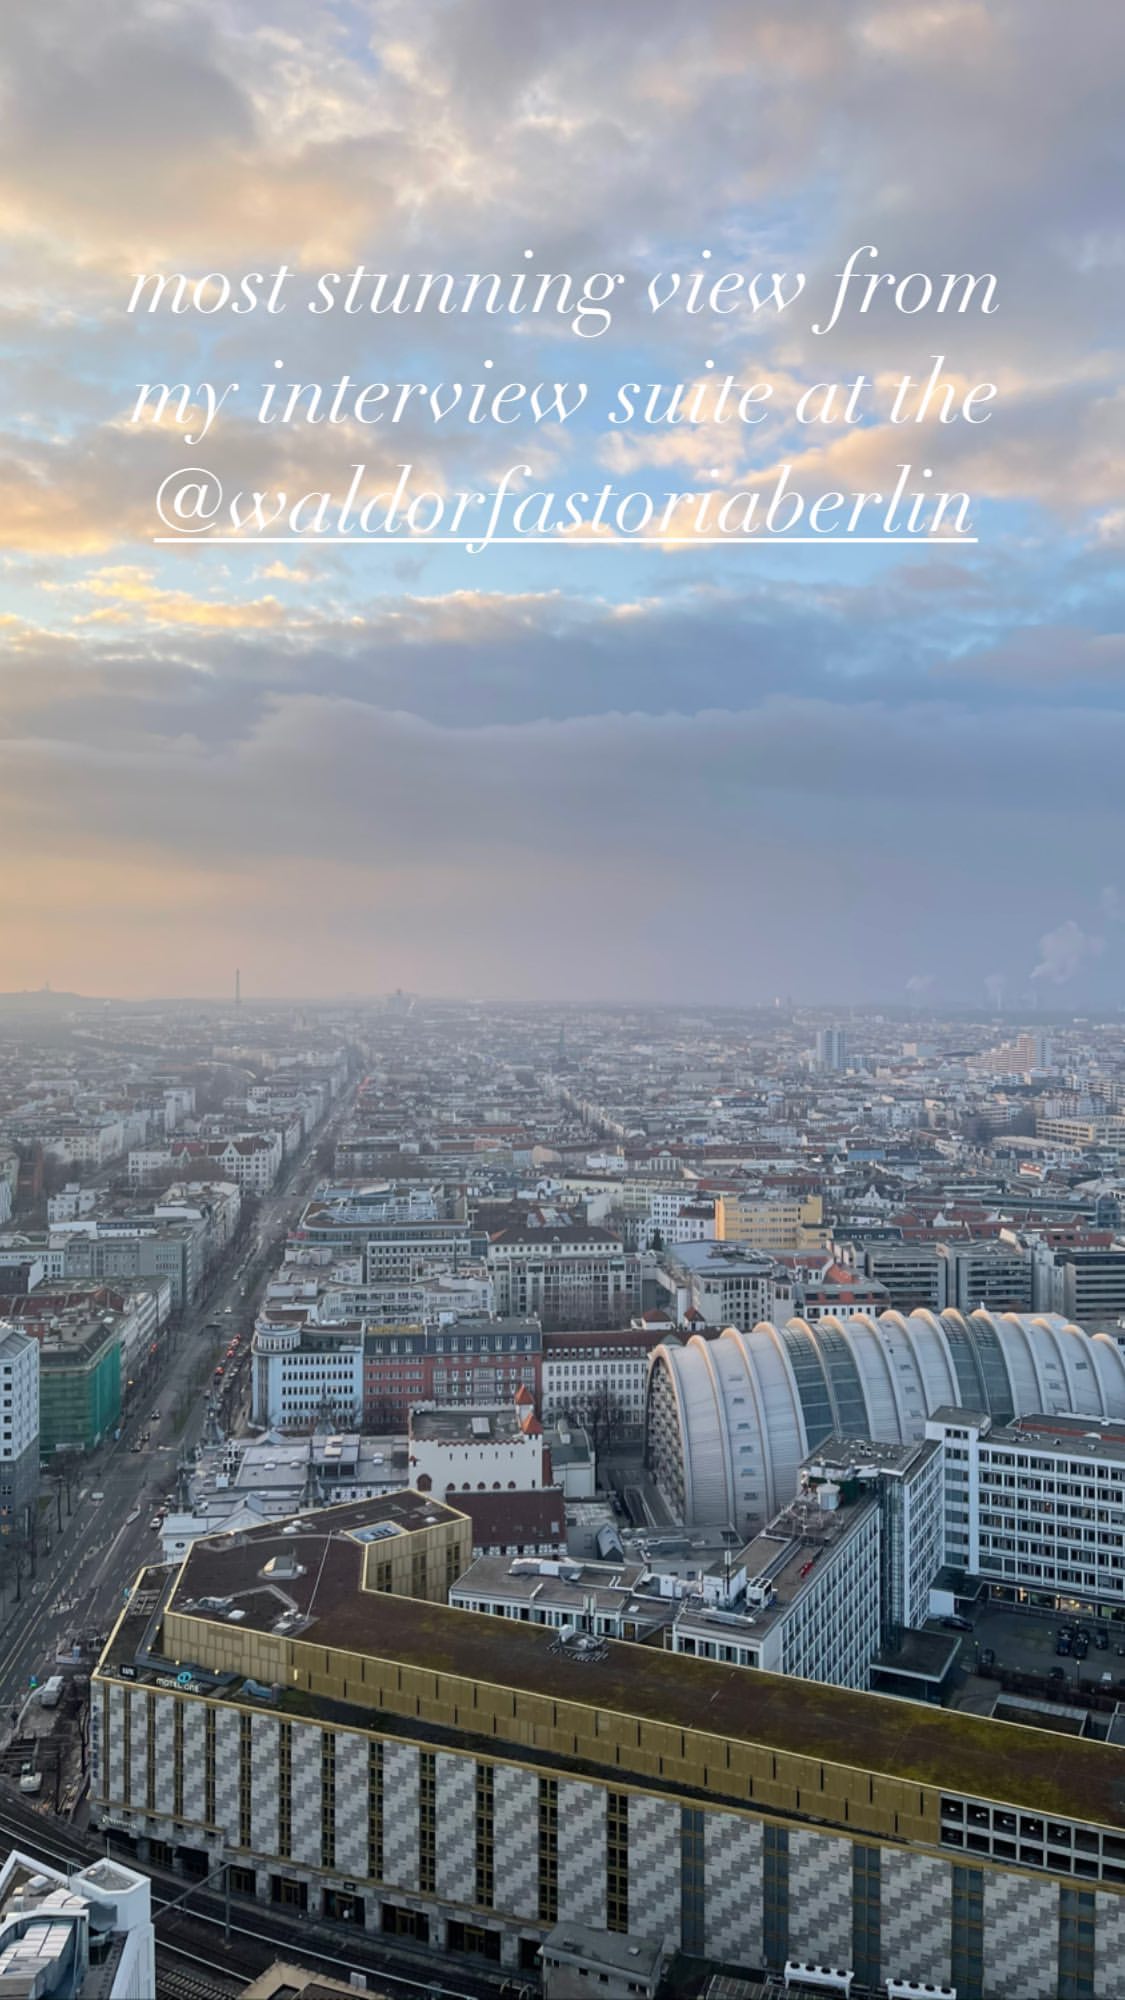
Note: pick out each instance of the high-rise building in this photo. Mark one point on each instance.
(831, 1048)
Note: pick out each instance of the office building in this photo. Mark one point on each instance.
(770, 1222)
(1035, 1509)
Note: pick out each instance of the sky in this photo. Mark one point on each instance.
(685, 773)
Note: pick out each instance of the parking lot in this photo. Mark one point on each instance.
(1025, 1642)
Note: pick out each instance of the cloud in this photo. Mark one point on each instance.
(1065, 952)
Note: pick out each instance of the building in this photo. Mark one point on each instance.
(912, 1274)
(725, 1286)
(141, 1247)
(839, 1292)
(612, 1600)
(598, 1378)
(831, 1049)
(469, 1360)
(770, 1222)
(83, 1935)
(79, 1385)
(1087, 1284)
(801, 1598)
(729, 1420)
(1036, 1508)
(565, 1275)
(19, 1429)
(384, 1759)
(996, 1275)
(305, 1374)
(481, 1450)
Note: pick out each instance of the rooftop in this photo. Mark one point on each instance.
(911, 1741)
(456, 1426)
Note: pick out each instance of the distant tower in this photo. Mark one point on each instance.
(238, 989)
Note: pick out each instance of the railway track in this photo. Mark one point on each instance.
(248, 1951)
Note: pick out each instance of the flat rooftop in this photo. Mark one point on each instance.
(457, 1426)
(903, 1740)
(842, 1454)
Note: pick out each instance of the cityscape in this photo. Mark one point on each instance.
(512, 1499)
(562, 1000)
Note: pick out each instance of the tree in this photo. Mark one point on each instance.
(602, 1415)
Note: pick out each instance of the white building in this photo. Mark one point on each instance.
(565, 1274)
(1036, 1507)
(802, 1598)
(727, 1286)
(305, 1374)
(604, 1372)
(481, 1450)
(84, 1935)
(72, 1204)
(19, 1428)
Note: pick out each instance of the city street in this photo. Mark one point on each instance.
(82, 1577)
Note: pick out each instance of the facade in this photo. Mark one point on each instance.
(456, 1362)
(995, 1275)
(729, 1420)
(565, 1275)
(79, 1386)
(481, 1450)
(912, 1273)
(424, 1771)
(831, 1049)
(305, 1374)
(759, 1222)
(144, 1249)
(19, 1429)
(1037, 1507)
(598, 1376)
(725, 1286)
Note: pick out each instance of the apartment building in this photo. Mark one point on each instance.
(605, 1369)
(385, 1759)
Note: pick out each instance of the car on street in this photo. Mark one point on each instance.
(1062, 1645)
(1101, 1639)
(97, 1496)
(1056, 1674)
(957, 1624)
(987, 1658)
(155, 1417)
(1081, 1647)
(156, 1523)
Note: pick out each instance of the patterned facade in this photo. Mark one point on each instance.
(1007, 1938)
